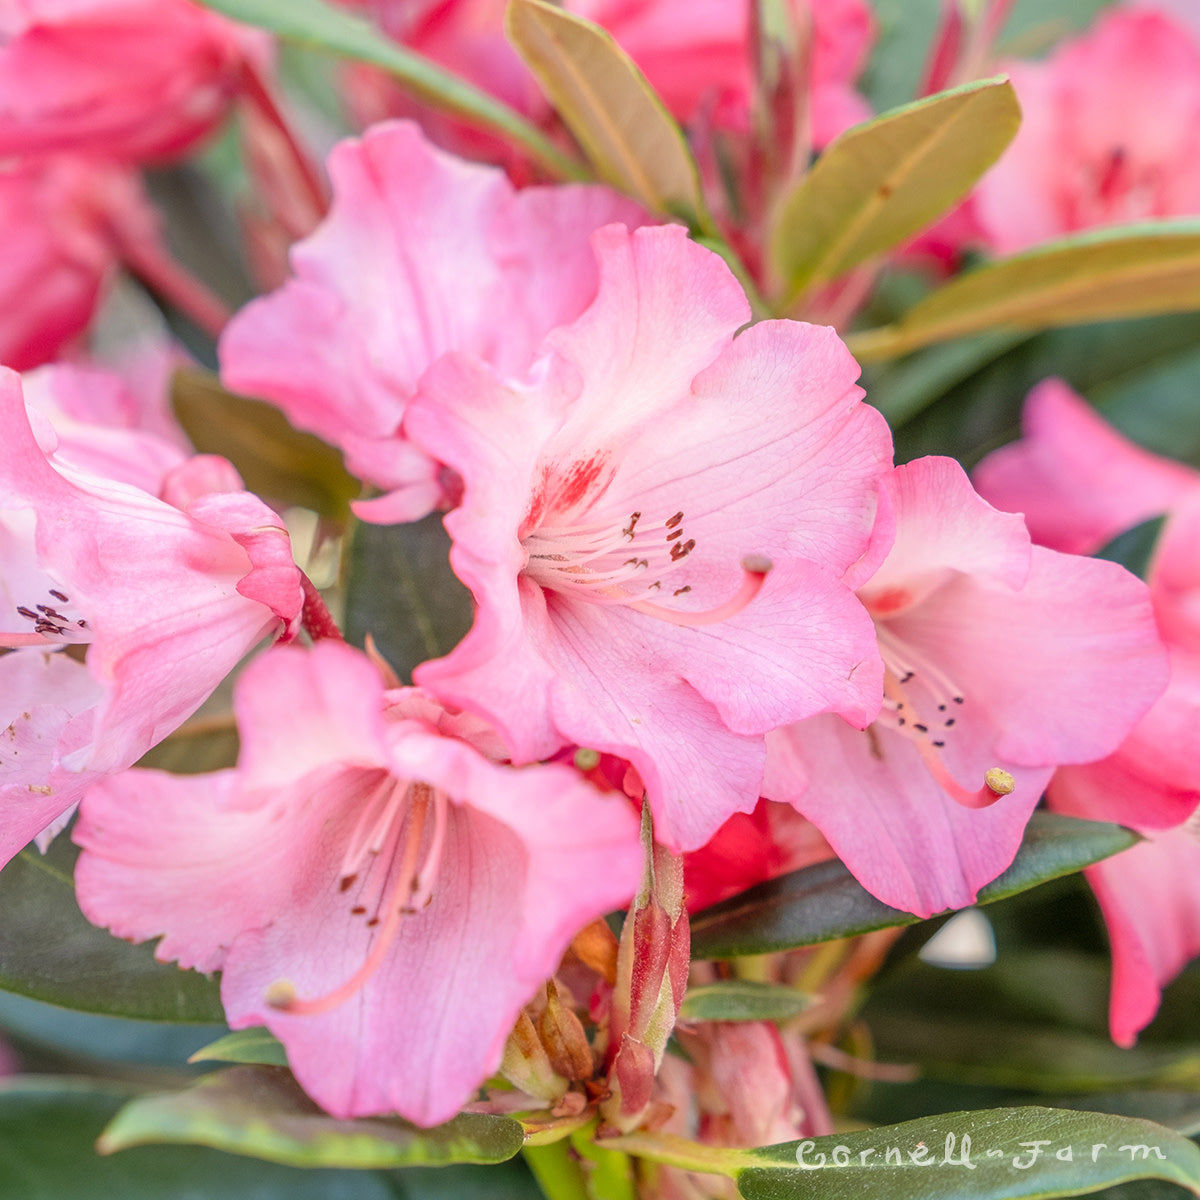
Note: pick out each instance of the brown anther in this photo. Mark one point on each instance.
(346, 883)
(28, 614)
(59, 596)
(675, 520)
(682, 550)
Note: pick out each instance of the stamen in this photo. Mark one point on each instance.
(422, 886)
(756, 569)
(281, 995)
(997, 782)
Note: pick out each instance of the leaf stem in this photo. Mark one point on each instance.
(557, 1171)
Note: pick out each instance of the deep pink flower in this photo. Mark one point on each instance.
(420, 254)
(62, 219)
(133, 80)
(616, 510)
(997, 655)
(1080, 483)
(1111, 134)
(378, 894)
(167, 601)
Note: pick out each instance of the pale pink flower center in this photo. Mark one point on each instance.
(628, 562)
(383, 861)
(921, 702)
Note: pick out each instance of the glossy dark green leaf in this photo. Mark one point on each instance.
(400, 590)
(262, 1112)
(994, 1154)
(49, 951)
(1099, 275)
(323, 26)
(1134, 548)
(1139, 373)
(742, 1000)
(605, 101)
(824, 901)
(48, 1130)
(274, 460)
(1033, 1058)
(258, 1046)
(883, 181)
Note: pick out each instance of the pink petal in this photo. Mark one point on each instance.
(906, 841)
(1078, 482)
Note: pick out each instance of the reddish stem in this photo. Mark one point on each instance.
(176, 285)
(316, 618)
(257, 93)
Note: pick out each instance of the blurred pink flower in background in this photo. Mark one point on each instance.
(1080, 483)
(697, 54)
(1110, 135)
(64, 220)
(131, 80)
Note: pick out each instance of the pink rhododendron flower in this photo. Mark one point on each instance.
(997, 654)
(1081, 483)
(167, 601)
(105, 427)
(751, 848)
(378, 894)
(696, 54)
(63, 220)
(1111, 134)
(420, 254)
(617, 506)
(124, 79)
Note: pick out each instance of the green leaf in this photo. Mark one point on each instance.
(824, 901)
(742, 1000)
(48, 1129)
(1135, 270)
(1032, 1058)
(275, 460)
(883, 181)
(257, 1045)
(605, 101)
(48, 951)
(1013, 1154)
(1134, 548)
(400, 590)
(321, 26)
(262, 1112)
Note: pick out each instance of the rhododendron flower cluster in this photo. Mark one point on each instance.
(521, 651)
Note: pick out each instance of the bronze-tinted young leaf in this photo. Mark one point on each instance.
(400, 590)
(49, 951)
(881, 182)
(262, 1112)
(275, 460)
(48, 1131)
(322, 26)
(824, 901)
(742, 1000)
(257, 1046)
(1102, 275)
(605, 101)
(994, 1154)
